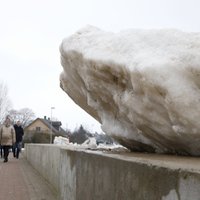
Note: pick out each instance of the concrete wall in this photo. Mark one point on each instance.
(46, 160)
(92, 175)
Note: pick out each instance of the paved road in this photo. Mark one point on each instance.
(19, 181)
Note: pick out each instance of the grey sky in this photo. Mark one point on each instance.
(32, 30)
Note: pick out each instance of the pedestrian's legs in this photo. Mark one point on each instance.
(6, 153)
(14, 149)
(19, 146)
(1, 149)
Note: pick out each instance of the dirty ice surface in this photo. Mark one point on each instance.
(143, 86)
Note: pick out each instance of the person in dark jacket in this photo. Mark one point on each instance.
(19, 131)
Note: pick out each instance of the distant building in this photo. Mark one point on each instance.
(45, 125)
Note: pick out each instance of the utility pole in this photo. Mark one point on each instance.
(51, 133)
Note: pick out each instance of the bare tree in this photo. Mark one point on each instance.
(24, 115)
(5, 102)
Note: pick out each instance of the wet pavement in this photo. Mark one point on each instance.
(20, 181)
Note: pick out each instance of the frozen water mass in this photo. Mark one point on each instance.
(143, 86)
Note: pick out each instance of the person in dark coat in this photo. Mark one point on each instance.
(19, 131)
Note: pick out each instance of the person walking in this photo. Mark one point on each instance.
(7, 137)
(19, 132)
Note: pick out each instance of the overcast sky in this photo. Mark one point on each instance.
(32, 30)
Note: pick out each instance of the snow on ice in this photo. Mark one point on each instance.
(143, 86)
(90, 143)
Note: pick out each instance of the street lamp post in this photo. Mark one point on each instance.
(51, 133)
